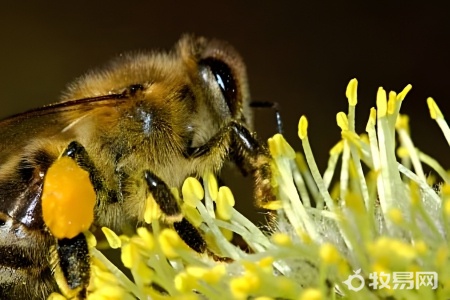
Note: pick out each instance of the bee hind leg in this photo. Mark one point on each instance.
(72, 253)
(173, 214)
(74, 266)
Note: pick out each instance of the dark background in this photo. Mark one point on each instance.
(299, 54)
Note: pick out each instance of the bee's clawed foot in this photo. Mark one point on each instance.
(264, 193)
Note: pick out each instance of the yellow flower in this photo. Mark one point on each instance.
(372, 210)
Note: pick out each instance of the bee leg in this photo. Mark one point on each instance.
(78, 153)
(73, 273)
(172, 212)
(256, 159)
(252, 156)
(74, 263)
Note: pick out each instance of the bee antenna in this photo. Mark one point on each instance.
(271, 105)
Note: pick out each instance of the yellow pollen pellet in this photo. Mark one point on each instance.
(311, 294)
(124, 239)
(414, 194)
(435, 112)
(381, 102)
(431, 179)
(364, 138)
(401, 96)
(68, 199)
(300, 161)
(111, 292)
(56, 296)
(242, 286)
(213, 187)
(441, 256)
(402, 152)
(421, 247)
(225, 202)
(146, 236)
(304, 236)
(129, 255)
(209, 275)
(103, 277)
(197, 272)
(169, 241)
(354, 202)
(192, 214)
(281, 239)
(215, 274)
(112, 238)
(402, 122)
(351, 92)
(266, 264)
(337, 149)
(445, 190)
(239, 287)
(342, 120)
(152, 210)
(90, 239)
(303, 127)
(351, 137)
(145, 274)
(97, 266)
(227, 234)
(372, 119)
(272, 147)
(396, 215)
(184, 282)
(447, 207)
(192, 191)
(391, 104)
(380, 267)
(278, 146)
(329, 254)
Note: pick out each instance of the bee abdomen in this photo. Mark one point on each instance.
(25, 272)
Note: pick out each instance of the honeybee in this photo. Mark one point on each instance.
(139, 126)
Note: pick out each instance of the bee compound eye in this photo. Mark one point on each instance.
(134, 88)
(224, 78)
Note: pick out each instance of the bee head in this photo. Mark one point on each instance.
(191, 91)
(221, 75)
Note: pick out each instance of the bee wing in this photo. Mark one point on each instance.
(46, 122)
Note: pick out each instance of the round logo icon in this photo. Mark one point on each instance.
(349, 281)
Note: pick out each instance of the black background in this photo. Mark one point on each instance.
(299, 54)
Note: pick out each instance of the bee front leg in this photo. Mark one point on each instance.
(172, 212)
(247, 152)
(256, 161)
